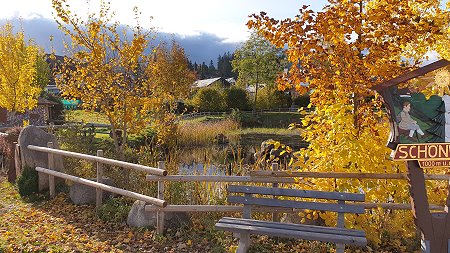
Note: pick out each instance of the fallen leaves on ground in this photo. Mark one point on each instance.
(60, 226)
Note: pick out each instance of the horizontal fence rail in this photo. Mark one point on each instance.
(146, 169)
(205, 178)
(201, 114)
(400, 176)
(269, 176)
(229, 208)
(147, 199)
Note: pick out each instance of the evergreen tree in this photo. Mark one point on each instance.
(212, 70)
(438, 129)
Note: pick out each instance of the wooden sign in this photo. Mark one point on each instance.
(428, 155)
(420, 135)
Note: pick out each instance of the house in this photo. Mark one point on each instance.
(218, 82)
(52, 89)
(39, 116)
(231, 80)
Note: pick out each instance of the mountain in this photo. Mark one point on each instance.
(200, 48)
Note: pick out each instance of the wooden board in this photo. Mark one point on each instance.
(297, 193)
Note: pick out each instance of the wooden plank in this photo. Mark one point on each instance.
(51, 166)
(146, 169)
(104, 187)
(411, 74)
(240, 208)
(296, 193)
(160, 213)
(291, 174)
(99, 192)
(275, 215)
(291, 226)
(207, 178)
(214, 208)
(324, 237)
(321, 206)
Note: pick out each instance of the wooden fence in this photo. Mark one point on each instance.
(99, 186)
(159, 174)
(275, 177)
(201, 114)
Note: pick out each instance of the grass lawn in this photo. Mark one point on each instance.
(86, 117)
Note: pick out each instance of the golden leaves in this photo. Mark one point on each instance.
(337, 55)
(18, 71)
(110, 71)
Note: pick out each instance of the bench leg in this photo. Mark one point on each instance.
(340, 248)
(244, 243)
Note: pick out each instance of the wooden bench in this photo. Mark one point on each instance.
(242, 228)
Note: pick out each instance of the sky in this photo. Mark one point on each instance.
(224, 18)
(206, 28)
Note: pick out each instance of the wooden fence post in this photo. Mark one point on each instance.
(160, 214)
(11, 164)
(17, 161)
(340, 224)
(275, 215)
(98, 191)
(51, 166)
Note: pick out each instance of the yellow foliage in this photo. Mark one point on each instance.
(340, 53)
(113, 74)
(18, 70)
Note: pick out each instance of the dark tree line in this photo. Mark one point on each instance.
(224, 68)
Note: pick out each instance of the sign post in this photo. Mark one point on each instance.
(420, 135)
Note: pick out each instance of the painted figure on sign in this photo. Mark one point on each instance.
(407, 123)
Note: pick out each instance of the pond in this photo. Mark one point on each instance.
(234, 158)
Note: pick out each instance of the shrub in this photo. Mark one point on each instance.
(114, 210)
(236, 98)
(271, 98)
(27, 183)
(209, 99)
(302, 100)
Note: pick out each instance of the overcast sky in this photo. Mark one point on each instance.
(224, 18)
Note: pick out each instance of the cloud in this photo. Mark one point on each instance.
(199, 48)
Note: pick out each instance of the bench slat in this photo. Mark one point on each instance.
(353, 240)
(292, 226)
(297, 193)
(321, 206)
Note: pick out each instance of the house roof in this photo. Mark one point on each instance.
(207, 82)
(230, 80)
(412, 74)
(43, 101)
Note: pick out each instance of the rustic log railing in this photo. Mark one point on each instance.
(99, 186)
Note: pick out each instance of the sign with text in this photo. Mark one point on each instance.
(427, 154)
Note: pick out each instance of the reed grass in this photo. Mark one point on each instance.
(204, 133)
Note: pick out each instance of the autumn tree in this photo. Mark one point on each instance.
(170, 74)
(258, 62)
(109, 70)
(337, 55)
(22, 75)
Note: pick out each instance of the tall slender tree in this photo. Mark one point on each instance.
(258, 62)
(21, 78)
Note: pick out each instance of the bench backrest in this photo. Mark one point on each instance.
(249, 199)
